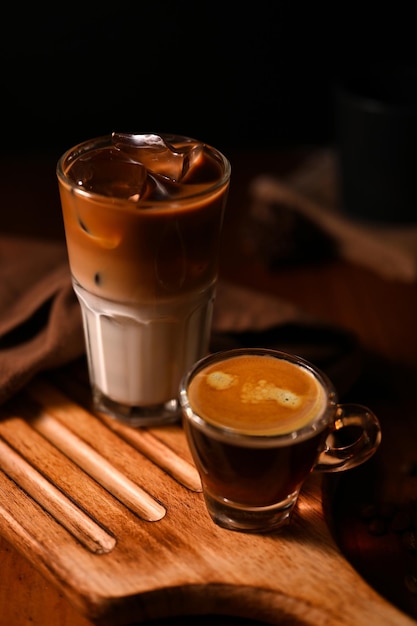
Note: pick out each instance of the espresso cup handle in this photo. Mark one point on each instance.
(353, 439)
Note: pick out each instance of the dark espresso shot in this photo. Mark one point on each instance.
(260, 399)
(258, 422)
(252, 476)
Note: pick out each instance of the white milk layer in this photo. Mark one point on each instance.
(138, 354)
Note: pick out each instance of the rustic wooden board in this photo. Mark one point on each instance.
(115, 518)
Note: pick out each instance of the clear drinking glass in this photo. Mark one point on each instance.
(143, 218)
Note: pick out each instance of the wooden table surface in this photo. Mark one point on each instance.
(381, 314)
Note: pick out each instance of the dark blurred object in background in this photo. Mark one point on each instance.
(376, 139)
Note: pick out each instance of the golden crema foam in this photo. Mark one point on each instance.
(257, 395)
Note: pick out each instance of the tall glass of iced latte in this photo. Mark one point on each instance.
(143, 217)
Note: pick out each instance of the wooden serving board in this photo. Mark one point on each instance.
(115, 518)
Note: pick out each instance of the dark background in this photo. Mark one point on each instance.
(234, 75)
(230, 74)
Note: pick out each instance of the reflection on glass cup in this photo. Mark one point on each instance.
(143, 217)
(258, 421)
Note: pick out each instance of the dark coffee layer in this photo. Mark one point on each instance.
(143, 231)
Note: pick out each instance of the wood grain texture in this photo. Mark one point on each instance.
(134, 541)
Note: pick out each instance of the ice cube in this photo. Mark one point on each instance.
(192, 160)
(159, 156)
(111, 173)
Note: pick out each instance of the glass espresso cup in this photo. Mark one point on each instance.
(258, 421)
(143, 217)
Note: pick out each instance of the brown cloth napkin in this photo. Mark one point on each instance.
(40, 320)
(41, 328)
(298, 218)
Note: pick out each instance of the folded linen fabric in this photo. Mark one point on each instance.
(40, 320)
(298, 218)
